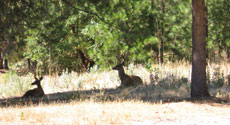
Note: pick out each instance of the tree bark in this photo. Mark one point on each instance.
(6, 66)
(29, 63)
(159, 43)
(199, 86)
(1, 59)
(228, 54)
(162, 31)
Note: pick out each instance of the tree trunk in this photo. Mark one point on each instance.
(199, 86)
(162, 31)
(1, 59)
(160, 34)
(29, 63)
(228, 54)
(6, 64)
(162, 51)
(206, 18)
(159, 43)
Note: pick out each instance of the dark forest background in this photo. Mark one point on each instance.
(57, 35)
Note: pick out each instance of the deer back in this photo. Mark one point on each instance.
(37, 92)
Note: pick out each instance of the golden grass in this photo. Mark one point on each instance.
(140, 105)
(126, 112)
(163, 76)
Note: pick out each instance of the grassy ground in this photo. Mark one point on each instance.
(92, 98)
(116, 112)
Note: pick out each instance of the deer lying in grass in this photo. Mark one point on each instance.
(127, 80)
(37, 92)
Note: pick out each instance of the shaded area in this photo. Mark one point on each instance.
(159, 90)
(140, 93)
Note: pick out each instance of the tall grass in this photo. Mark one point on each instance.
(12, 84)
(169, 79)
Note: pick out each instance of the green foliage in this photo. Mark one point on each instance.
(217, 80)
(218, 28)
(52, 32)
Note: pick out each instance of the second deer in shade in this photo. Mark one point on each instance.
(127, 80)
(37, 92)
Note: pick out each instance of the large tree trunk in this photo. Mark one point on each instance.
(199, 86)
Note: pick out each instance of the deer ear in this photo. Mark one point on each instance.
(35, 78)
(41, 78)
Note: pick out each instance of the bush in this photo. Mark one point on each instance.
(217, 80)
(15, 85)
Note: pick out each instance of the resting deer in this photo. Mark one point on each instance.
(127, 80)
(37, 92)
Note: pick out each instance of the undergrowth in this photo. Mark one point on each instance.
(167, 80)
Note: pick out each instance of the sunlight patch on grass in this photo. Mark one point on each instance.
(125, 112)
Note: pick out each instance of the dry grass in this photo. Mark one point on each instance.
(171, 79)
(126, 112)
(93, 99)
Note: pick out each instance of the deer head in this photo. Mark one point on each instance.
(118, 66)
(37, 81)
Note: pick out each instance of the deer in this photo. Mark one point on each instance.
(127, 80)
(36, 92)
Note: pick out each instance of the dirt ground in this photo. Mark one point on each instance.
(118, 112)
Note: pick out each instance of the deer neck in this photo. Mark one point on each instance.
(39, 86)
(121, 73)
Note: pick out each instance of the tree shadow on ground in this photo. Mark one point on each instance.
(140, 93)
